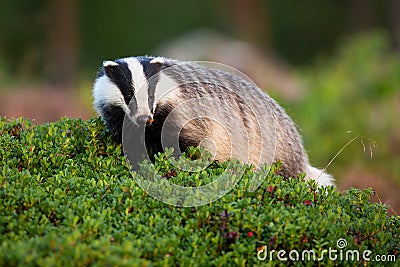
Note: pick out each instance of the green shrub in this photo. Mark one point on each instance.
(67, 198)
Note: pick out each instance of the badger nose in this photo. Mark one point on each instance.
(145, 119)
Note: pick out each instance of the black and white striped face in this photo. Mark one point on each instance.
(128, 81)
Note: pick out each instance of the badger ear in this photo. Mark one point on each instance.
(157, 63)
(111, 69)
(109, 63)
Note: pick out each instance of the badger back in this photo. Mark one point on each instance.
(228, 115)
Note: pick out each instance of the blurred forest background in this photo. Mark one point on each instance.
(334, 65)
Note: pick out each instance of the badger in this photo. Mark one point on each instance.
(183, 104)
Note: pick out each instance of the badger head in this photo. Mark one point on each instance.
(126, 87)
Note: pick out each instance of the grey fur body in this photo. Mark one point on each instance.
(196, 105)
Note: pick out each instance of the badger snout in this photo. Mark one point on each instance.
(145, 119)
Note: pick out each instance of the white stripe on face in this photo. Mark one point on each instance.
(166, 90)
(140, 85)
(105, 91)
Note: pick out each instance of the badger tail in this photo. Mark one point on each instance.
(320, 176)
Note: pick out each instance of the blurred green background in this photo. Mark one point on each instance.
(334, 65)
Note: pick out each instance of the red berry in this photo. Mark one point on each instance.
(271, 189)
(250, 234)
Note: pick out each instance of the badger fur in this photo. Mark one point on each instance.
(220, 111)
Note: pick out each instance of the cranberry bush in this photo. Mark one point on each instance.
(67, 198)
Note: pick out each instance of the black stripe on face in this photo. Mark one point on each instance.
(121, 76)
(113, 117)
(151, 73)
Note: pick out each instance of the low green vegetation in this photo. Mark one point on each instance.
(67, 198)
